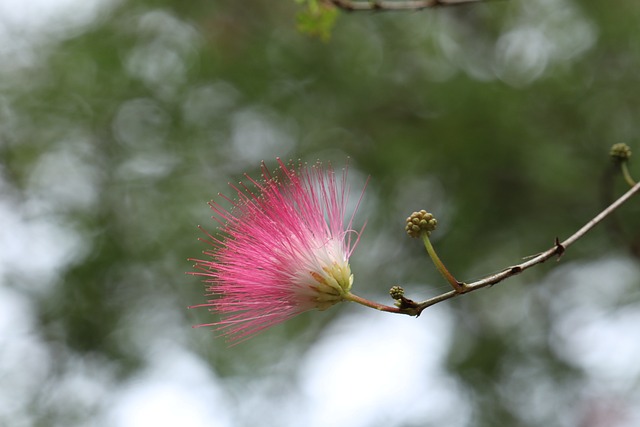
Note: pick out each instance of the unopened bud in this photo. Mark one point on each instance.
(420, 222)
(620, 152)
(396, 292)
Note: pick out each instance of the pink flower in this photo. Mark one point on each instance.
(285, 249)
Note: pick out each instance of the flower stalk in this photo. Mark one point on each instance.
(621, 153)
(627, 175)
(457, 286)
(421, 224)
(371, 304)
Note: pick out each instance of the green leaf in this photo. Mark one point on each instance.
(318, 20)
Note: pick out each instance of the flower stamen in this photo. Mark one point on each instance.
(286, 249)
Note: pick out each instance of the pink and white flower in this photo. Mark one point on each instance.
(285, 247)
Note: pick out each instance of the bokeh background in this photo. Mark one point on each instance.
(120, 120)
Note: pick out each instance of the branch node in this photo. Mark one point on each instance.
(516, 269)
(408, 306)
(559, 249)
(461, 287)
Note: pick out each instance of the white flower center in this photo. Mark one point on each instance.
(327, 278)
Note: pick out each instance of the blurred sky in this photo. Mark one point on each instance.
(28, 26)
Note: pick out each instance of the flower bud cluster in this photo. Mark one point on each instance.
(420, 222)
(620, 152)
(396, 292)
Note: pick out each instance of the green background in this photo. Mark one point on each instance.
(120, 120)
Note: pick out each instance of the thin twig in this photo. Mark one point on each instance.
(355, 5)
(557, 250)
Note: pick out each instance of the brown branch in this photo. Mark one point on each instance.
(557, 250)
(355, 5)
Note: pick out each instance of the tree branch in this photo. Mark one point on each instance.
(355, 5)
(557, 250)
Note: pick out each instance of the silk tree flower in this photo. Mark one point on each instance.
(284, 249)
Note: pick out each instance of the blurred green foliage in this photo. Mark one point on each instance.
(496, 117)
(316, 19)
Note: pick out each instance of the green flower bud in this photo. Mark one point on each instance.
(420, 222)
(620, 152)
(396, 292)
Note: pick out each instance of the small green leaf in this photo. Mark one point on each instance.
(318, 20)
